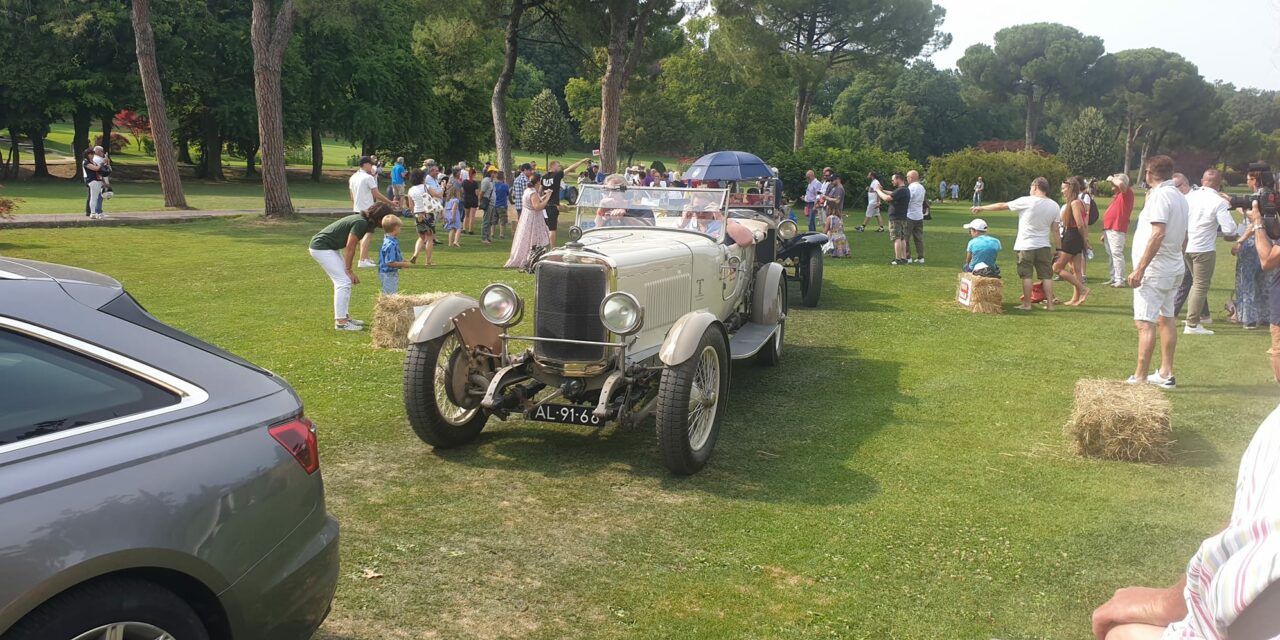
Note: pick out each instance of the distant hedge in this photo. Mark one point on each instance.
(851, 166)
(1006, 174)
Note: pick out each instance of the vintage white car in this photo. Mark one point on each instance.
(638, 315)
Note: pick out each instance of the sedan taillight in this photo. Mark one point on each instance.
(298, 437)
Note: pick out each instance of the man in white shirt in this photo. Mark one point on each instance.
(873, 204)
(1158, 243)
(364, 192)
(915, 215)
(1037, 225)
(1209, 216)
(810, 195)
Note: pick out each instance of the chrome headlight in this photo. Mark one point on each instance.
(575, 233)
(500, 305)
(621, 313)
(787, 229)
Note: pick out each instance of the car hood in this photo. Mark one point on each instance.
(639, 246)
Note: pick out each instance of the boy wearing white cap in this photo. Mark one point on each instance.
(983, 248)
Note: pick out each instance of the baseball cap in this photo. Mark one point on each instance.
(977, 224)
(364, 160)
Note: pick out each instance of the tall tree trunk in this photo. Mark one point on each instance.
(801, 122)
(269, 43)
(1034, 108)
(250, 160)
(211, 147)
(498, 103)
(153, 92)
(184, 150)
(1128, 143)
(37, 151)
(621, 61)
(81, 122)
(14, 155)
(108, 127)
(367, 147)
(317, 153)
(1146, 146)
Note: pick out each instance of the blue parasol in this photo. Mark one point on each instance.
(728, 165)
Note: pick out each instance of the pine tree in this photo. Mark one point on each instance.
(545, 128)
(1089, 146)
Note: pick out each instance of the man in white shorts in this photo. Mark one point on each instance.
(1158, 241)
(873, 204)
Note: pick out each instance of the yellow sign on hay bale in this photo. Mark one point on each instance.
(980, 295)
(393, 316)
(1119, 421)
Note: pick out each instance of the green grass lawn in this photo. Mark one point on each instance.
(68, 196)
(902, 473)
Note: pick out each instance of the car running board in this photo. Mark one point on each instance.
(749, 340)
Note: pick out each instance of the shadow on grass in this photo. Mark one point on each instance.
(1192, 449)
(837, 298)
(10, 245)
(777, 442)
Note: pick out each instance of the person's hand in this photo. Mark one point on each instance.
(355, 279)
(1255, 215)
(1102, 237)
(1140, 605)
(1135, 278)
(975, 209)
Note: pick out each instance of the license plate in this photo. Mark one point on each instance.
(567, 414)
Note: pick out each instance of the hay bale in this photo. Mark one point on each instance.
(980, 295)
(393, 317)
(1119, 421)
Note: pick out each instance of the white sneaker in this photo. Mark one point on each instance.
(920, 261)
(1161, 381)
(366, 263)
(1196, 330)
(358, 323)
(1132, 380)
(349, 326)
(911, 260)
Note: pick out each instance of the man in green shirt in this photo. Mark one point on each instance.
(344, 236)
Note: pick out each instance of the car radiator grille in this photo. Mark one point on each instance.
(568, 307)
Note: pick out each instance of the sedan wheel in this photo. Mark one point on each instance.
(690, 405)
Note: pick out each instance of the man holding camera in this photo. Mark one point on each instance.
(1157, 272)
(1263, 205)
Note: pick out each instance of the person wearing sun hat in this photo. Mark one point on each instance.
(983, 248)
(1115, 226)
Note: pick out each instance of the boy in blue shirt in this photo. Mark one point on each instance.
(983, 248)
(390, 260)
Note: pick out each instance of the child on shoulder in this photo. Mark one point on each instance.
(390, 259)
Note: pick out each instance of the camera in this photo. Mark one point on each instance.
(1267, 200)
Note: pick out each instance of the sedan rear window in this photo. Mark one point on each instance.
(45, 389)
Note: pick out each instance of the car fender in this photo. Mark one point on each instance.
(682, 340)
(437, 319)
(764, 309)
(809, 241)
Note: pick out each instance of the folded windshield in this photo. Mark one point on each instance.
(701, 210)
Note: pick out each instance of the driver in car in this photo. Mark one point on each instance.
(614, 211)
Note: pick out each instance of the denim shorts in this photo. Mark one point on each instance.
(390, 281)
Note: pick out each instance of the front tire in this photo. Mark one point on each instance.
(771, 354)
(123, 608)
(691, 405)
(432, 415)
(811, 277)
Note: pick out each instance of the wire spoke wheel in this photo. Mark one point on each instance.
(450, 412)
(704, 397)
(126, 631)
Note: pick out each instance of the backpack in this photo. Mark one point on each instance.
(1093, 211)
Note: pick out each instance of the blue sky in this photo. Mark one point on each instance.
(1213, 35)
